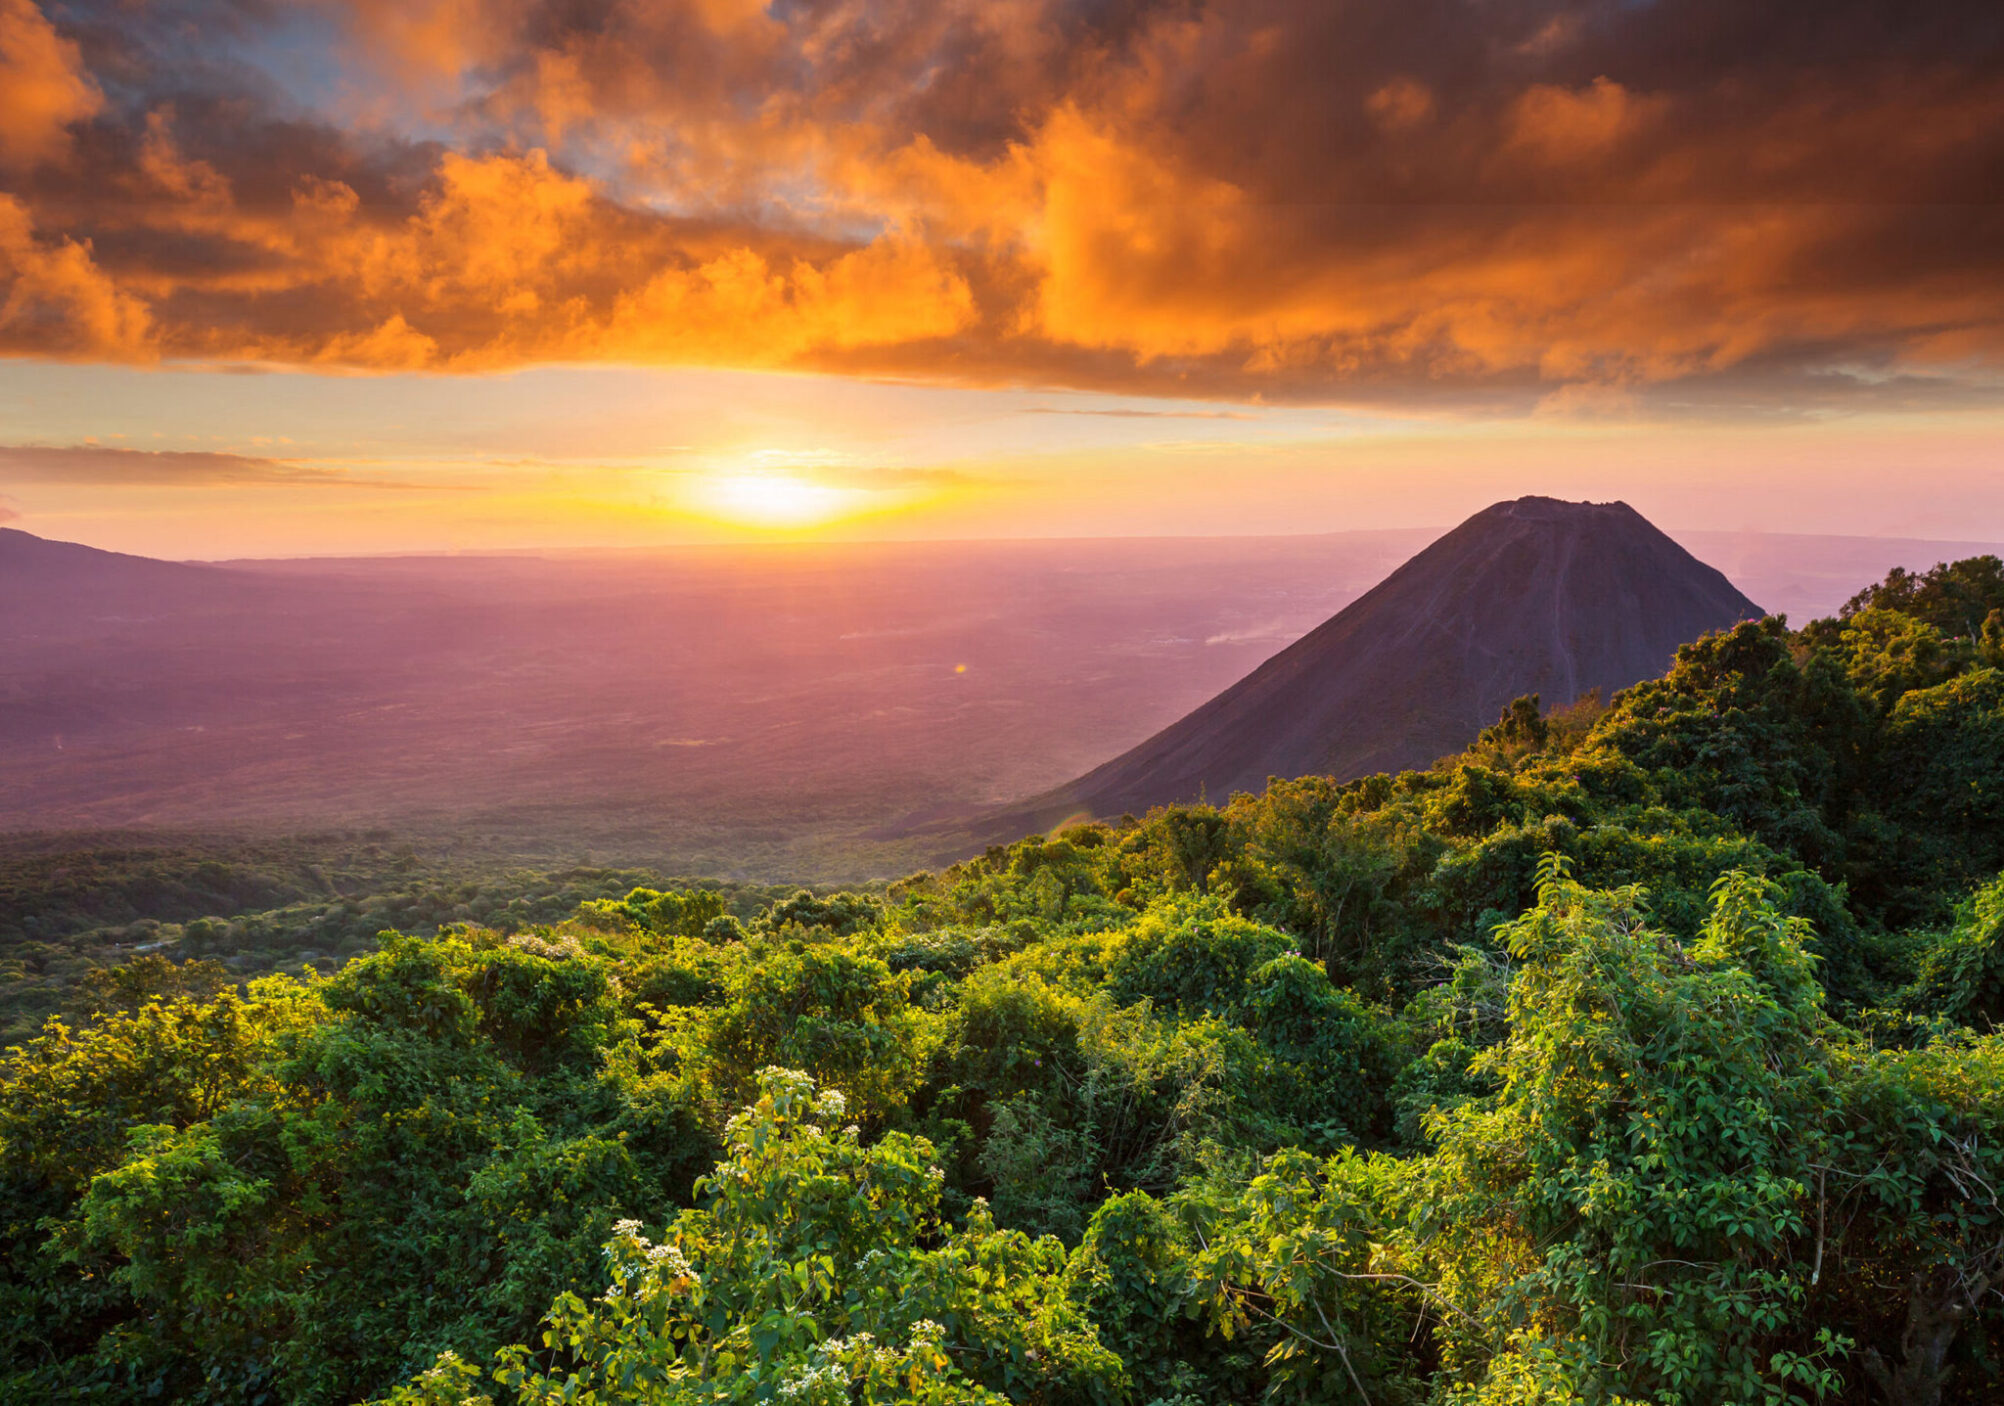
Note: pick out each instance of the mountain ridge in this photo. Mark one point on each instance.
(37, 573)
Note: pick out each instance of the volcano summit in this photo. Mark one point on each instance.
(1530, 596)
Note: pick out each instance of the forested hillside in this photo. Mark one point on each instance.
(1645, 1052)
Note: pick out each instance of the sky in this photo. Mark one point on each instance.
(284, 276)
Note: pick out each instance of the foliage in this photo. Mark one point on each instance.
(817, 1270)
(1961, 978)
(1955, 598)
(1645, 1052)
(1644, 1170)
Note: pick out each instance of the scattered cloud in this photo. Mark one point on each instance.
(99, 464)
(1359, 202)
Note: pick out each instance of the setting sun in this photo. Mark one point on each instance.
(763, 498)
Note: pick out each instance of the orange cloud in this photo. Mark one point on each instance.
(1560, 125)
(738, 309)
(426, 38)
(1401, 105)
(43, 87)
(393, 345)
(493, 230)
(508, 260)
(1245, 197)
(55, 301)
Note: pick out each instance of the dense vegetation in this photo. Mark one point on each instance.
(1642, 1053)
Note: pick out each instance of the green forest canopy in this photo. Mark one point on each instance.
(1641, 1053)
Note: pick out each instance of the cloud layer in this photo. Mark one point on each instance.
(1508, 202)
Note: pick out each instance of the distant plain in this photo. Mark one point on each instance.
(744, 711)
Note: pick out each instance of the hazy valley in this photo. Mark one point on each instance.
(756, 711)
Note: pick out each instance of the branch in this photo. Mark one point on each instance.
(1432, 1291)
(1343, 1353)
(1816, 1274)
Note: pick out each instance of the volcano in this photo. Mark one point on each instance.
(1531, 596)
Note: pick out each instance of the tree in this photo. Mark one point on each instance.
(1621, 1219)
(817, 1270)
(1955, 597)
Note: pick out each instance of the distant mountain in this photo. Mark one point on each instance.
(1532, 596)
(38, 576)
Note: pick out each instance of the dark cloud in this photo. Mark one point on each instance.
(1402, 203)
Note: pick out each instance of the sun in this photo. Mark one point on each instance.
(775, 499)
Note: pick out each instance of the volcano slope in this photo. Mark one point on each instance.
(1530, 596)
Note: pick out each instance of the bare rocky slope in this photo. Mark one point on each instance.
(1531, 596)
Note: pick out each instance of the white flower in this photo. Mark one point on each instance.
(673, 1262)
(832, 1375)
(831, 1104)
(926, 1333)
(626, 1227)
